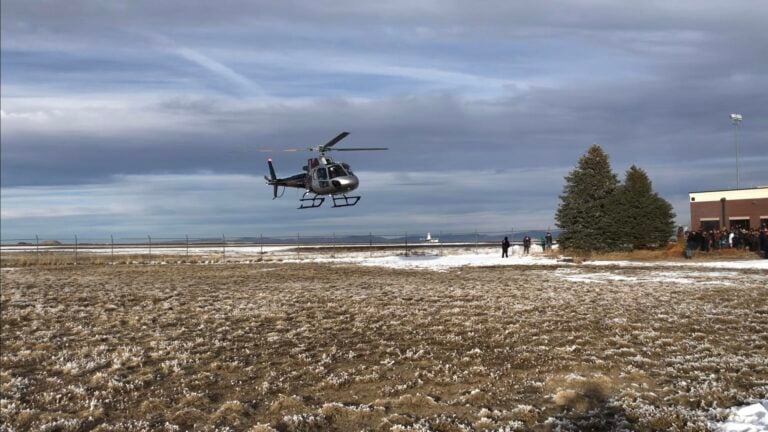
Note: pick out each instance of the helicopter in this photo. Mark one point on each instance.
(322, 177)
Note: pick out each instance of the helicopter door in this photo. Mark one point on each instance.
(321, 176)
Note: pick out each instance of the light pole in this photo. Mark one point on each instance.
(736, 120)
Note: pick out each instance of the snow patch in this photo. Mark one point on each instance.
(445, 262)
(748, 418)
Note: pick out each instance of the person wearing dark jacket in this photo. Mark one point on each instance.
(526, 245)
(505, 248)
(763, 239)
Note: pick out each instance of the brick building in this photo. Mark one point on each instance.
(745, 208)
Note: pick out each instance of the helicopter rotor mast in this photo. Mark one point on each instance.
(327, 146)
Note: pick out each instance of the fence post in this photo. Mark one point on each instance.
(261, 244)
(475, 241)
(186, 237)
(150, 248)
(37, 249)
(333, 245)
(440, 243)
(298, 245)
(370, 242)
(75, 249)
(224, 247)
(112, 248)
(406, 243)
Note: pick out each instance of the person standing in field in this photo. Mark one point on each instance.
(505, 248)
(526, 245)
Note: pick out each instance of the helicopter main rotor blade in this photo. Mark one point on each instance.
(292, 150)
(333, 142)
(360, 149)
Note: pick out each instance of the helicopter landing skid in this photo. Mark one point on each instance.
(344, 201)
(314, 202)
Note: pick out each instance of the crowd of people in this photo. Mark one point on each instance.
(737, 238)
(754, 240)
(546, 245)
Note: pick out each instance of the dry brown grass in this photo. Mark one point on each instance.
(298, 347)
(49, 259)
(673, 252)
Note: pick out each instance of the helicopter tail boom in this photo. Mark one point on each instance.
(298, 181)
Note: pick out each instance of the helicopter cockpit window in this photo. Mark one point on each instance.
(347, 168)
(336, 171)
(321, 174)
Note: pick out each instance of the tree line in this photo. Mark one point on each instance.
(598, 213)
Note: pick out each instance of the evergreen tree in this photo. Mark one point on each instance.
(584, 212)
(643, 218)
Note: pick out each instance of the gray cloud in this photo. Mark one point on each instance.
(93, 92)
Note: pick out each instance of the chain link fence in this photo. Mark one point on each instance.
(40, 250)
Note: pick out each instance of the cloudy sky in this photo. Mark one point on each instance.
(144, 117)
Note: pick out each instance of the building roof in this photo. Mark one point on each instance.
(729, 194)
(728, 190)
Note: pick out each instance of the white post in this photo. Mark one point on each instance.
(737, 119)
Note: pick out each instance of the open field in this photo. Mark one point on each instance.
(335, 346)
(26, 256)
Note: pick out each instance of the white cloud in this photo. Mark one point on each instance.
(219, 69)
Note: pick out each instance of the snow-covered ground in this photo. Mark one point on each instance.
(689, 340)
(748, 418)
(444, 262)
(426, 257)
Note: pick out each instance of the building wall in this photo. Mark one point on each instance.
(752, 208)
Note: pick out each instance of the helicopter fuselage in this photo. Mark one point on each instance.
(326, 177)
(322, 176)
